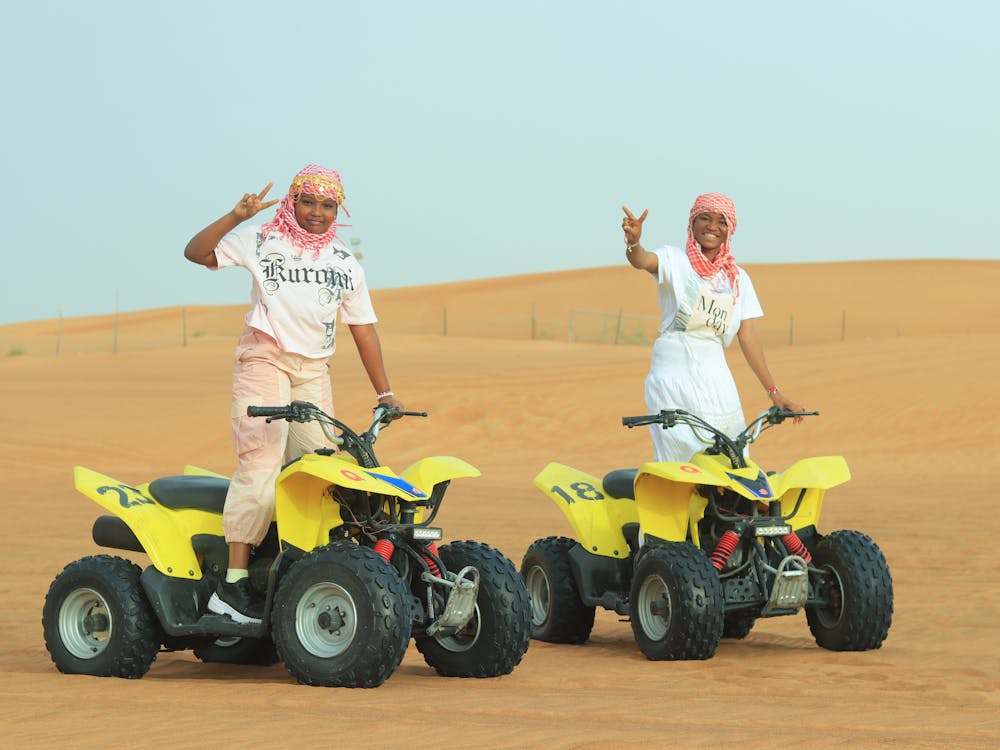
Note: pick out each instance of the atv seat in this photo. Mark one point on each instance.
(190, 491)
(620, 483)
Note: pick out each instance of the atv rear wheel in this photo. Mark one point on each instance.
(97, 621)
(676, 603)
(341, 618)
(496, 638)
(857, 590)
(259, 652)
(557, 613)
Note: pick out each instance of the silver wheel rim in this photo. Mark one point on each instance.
(326, 620)
(465, 638)
(654, 607)
(538, 593)
(85, 624)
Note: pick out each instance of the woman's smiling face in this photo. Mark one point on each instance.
(315, 213)
(710, 230)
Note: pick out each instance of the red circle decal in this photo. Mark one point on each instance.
(691, 469)
(350, 475)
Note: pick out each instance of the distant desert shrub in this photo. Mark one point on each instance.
(15, 351)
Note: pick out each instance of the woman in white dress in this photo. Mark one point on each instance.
(706, 301)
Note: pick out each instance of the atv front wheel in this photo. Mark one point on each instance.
(97, 621)
(341, 618)
(856, 591)
(676, 603)
(557, 613)
(496, 638)
(258, 652)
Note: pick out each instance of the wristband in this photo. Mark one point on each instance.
(384, 394)
(772, 390)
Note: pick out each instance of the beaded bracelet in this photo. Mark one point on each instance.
(772, 390)
(386, 394)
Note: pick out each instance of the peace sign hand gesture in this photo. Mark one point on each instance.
(633, 226)
(252, 204)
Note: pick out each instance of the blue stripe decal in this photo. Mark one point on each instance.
(758, 486)
(399, 484)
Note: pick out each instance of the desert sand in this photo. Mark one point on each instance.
(898, 357)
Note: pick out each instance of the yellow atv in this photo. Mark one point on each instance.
(696, 551)
(349, 571)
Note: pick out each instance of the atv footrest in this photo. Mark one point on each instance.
(213, 624)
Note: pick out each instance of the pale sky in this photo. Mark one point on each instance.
(483, 139)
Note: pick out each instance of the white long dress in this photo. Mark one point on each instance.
(688, 368)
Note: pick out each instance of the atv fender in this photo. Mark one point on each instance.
(165, 534)
(428, 472)
(667, 500)
(816, 476)
(596, 517)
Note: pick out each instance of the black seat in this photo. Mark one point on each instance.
(192, 492)
(620, 483)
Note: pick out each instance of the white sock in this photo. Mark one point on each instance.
(236, 574)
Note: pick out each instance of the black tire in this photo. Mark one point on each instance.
(859, 590)
(258, 652)
(557, 613)
(497, 636)
(676, 603)
(97, 621)
(738, 625)
(341, 618)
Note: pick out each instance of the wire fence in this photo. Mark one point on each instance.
(196, 326)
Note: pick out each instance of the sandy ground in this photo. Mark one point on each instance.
(907, 397)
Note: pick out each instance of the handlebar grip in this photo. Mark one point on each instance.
(268, 411)
(639, 421)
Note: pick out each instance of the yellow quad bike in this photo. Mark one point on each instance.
(349, 571)
(692, 552)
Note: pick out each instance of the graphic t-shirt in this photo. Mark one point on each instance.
(703, 308)
(295, 299)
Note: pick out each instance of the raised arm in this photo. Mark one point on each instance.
(635, 253)
(201, 248)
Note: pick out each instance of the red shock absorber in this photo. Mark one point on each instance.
(432, 548)
(795, 546)
(726, 546)
(384, 549)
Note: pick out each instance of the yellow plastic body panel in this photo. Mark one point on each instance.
(165, 534)
(668, 504)
(596, 518)
(306, 515)
(816, 476)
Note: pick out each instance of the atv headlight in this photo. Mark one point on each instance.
(426, 533)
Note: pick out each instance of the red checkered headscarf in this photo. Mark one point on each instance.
(724, 261)
(313, 180)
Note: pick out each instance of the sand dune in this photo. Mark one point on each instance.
(904, 391)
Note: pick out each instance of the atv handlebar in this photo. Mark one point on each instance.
(732, 447)
(359, 446)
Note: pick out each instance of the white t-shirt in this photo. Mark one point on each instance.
(703, 308)
(295, 299)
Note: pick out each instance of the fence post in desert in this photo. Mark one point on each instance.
(791, 329)
(569, 334)
(618, 325)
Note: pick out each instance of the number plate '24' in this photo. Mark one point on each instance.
(128, 497)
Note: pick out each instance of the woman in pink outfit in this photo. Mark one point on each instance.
(303, 278)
